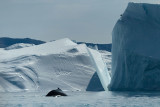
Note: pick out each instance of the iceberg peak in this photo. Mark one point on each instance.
(142, 11)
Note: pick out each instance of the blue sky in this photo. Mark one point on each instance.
(81, 20)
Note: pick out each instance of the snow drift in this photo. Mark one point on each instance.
(18, 46)
(44, 67)
(135, 49)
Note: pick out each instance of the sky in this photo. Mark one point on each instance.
(80, 20)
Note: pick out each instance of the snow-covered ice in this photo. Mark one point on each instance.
(101, 68)
(18, 46)
(135, 49)
(107, 57)
(44, 67)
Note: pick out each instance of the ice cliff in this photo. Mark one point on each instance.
(135, 49)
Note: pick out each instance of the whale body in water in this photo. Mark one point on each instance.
(57, 92)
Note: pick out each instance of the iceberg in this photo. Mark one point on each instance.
(101, 68)
(61, 63)
(135, 49)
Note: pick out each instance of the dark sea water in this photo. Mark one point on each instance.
(81, 99)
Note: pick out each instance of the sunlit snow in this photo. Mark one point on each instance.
(44, 67)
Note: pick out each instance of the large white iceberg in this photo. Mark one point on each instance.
(44, 67)
(136, 49)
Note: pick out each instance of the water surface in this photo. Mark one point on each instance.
(81, 99)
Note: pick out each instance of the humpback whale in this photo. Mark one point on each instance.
(57, 92)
